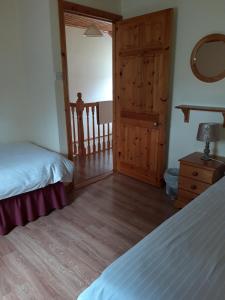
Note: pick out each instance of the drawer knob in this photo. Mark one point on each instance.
(195, 173)
(193, 187)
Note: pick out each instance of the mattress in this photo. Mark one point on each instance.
(25, 167)
(184, 258)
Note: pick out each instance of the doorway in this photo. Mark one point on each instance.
(141, 61)
(88, 89)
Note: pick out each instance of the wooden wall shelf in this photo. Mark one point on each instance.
(187, 108)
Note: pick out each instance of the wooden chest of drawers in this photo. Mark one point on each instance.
(196, 175)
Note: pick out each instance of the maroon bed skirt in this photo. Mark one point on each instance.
(21, 209)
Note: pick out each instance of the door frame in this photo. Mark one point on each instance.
(66, 6)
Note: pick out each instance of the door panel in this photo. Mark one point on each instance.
(142, 93)
(138, 155)
(152, 77)
(140, 79)
(131, 83)
(130, 35)
(155, 31)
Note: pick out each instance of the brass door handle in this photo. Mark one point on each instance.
(155, 124)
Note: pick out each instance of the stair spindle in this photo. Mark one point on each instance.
(74, 131)
(108, 131)
(93, 125)
(88, 130)
(103, 144)
(99, 138)
(80, 109)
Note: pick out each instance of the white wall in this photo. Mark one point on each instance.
(12, 89)
(194, 19)
(41, 109)
(107, 5)
(27, 76)
(89, 65)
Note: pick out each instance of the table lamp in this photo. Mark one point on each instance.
(208, 132)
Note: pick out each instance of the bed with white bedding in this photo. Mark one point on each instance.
(31, 183)
(182, 259)
(25, 167)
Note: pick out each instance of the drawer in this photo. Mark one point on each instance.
(191, 185)
(184, 197)
(196, 173)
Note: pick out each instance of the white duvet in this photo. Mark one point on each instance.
(25, 167)
(182, 259)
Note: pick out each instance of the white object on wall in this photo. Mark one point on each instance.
(105, 112)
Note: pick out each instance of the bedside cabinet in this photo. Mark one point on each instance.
(196, 175)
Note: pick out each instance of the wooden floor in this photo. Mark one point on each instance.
(59, 255)
(92, 167)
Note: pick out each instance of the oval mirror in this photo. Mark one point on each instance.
(208, 58)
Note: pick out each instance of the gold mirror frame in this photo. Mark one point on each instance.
(206, 39)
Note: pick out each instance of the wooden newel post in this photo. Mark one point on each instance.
(80, 125)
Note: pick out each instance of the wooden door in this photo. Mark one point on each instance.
(142, 70)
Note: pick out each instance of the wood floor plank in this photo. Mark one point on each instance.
(92, 166)
(58, 255)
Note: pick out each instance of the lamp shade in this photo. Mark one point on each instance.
(93, 31)
(208, 132)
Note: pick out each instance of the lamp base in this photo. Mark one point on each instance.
(206, 156)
